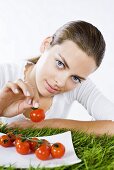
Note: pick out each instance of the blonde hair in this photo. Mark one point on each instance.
(34, 59)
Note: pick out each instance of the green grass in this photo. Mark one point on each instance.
(96, 153)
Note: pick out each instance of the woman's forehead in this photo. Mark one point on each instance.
(76, 59)
(69, 50)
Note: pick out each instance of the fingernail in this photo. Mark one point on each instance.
(16, 91)
(36, 105)
(27, 93)
(30, 101)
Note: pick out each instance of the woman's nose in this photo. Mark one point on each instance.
(61, 80)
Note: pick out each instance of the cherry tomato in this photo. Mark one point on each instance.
(45, 142)
(11, 136)
(37, 115)
(5, 141)
(33, 142)
(23, 147)
(43, 152)
(57, 150)
(18, 139)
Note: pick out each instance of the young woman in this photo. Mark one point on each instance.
(55, 79)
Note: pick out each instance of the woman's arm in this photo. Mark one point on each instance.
(96, 127)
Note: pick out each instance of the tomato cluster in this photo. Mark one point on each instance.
(37, 115)
(42, 148)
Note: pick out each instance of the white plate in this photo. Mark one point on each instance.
(9, 156)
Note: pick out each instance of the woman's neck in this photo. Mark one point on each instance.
(30, 78)
(44, 102)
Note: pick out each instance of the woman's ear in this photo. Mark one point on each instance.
(45, 44)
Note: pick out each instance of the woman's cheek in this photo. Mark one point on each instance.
(69, 85)
(51, 71)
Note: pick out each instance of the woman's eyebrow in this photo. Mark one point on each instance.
(68, 66)
(64, 61)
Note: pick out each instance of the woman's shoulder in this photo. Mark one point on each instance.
(12, 63)
(81, 90)
(11, 70)
(11, 66)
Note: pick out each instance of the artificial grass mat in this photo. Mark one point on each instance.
(95, 152)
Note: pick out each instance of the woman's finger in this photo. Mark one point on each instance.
(29, 91)
(26, 89)
(35, 99)
(28, 101)
(12, 86)
(20, 85)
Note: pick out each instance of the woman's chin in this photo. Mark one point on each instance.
(45, 94)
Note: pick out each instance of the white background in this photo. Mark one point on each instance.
(25, 23)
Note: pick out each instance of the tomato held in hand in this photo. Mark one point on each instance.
(43, 152)
(57, 150)
(37, 115)
(23, 147)
(5, 141)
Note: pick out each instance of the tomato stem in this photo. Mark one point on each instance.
(23, 138)
(56, 145)
(33, 108)
(5, 141)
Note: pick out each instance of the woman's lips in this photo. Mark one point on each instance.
(50, 88)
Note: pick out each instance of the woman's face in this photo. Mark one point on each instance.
(61, 68)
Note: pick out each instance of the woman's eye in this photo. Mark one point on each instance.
(59, 64)
(76, 80)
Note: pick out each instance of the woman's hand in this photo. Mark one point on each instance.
(51, 123)
(23, 124)
(27, 124)
(16, 97)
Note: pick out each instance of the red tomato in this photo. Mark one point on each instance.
(33, 142)
(57, 150)
(11, 136)
(37, 115)
(45, 142)
(23, 147)
(5, 141)
(43, 152)
(18, 139)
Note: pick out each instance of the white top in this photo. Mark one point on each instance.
(97, 105)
